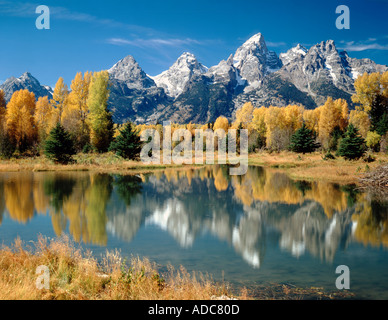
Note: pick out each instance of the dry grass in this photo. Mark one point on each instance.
(313, 167)
(76, 275)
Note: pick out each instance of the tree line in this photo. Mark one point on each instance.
(78, 120)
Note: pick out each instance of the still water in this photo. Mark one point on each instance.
(249, 230)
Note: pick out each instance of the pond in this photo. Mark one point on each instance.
(249, 230)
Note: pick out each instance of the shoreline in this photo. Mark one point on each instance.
(309, 167)
(74, 274)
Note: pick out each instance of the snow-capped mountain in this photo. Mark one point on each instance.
(254, 61)
(133, 94)
(189, 91)
(25, 81)
(179, 74)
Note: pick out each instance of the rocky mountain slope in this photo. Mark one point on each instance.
(25, 81)
(189, 91)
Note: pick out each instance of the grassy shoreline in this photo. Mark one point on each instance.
(296, 166)
(73, 274)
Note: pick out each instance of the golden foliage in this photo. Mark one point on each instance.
(20, 117)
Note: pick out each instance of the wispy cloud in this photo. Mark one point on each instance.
(27, 9)
(275, 44)
(369, 44)
(154, 42)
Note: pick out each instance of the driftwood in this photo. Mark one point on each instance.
(376, 179)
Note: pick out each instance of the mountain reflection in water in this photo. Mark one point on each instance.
(314, 217)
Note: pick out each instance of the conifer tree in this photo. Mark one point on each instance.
(127, 144)
(59, 145)
(303, 140)
(352, 146)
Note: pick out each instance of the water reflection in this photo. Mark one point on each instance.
(310, 217)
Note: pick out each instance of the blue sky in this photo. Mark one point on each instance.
(93, 35)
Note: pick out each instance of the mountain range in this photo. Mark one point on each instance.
(189, 91)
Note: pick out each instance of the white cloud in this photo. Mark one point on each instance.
(156, 42)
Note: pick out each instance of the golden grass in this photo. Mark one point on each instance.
(76, 275)
(313, 167)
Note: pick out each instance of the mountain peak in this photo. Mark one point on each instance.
(258, 38)
(129, 71)
(25, 81)
(179, 74)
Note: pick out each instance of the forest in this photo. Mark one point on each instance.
(77, 120)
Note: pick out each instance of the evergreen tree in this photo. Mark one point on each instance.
(303, 140)
(127, 144)
(59, 146)
(379, 115)
(352, 146)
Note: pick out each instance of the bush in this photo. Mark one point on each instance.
(59, 146)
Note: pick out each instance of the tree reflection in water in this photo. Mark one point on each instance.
(315, 217)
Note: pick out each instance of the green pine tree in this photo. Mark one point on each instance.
(59, 146)
(303, 140)
(352, 146)
(379, 115)
(127, 144)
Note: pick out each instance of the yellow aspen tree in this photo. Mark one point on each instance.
(258, 124)
(311, 119)
(43, 116)
(59, 99)
(244, 116)
(360, 119)
(384, 83)
(367, 88)
(74, 118)
(221, 123)
(99, 117)
(275, 120)
(20, 119)
(333, 114)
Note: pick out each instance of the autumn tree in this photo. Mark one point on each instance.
(367, 87)
(74, 117)
(244, 116)
(221, 123)
(333, 120)
(20, 119)
(43, 116)
(99, 118)
(258, 124)
(59, 99)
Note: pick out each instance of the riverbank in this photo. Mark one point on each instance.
(298, 166)
(313, 167)
(58, 270)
